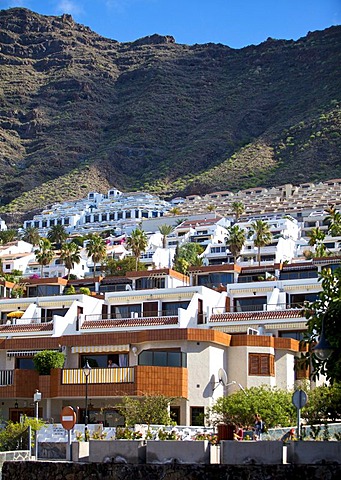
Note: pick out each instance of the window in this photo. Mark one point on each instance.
(7, 266)
(126, 311)
(171, 308)
(261, 364)
(163, 358)
(249, 304)
(24, 363)
(197, 416)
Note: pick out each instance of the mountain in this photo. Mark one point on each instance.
(80, 112)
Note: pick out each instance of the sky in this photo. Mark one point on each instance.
(236, 23)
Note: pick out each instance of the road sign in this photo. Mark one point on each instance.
(299, 399)
(68, 418)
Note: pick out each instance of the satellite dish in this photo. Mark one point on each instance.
(222, 377)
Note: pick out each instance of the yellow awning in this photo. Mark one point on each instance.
(100, 348)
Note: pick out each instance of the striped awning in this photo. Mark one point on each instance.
(99, 348)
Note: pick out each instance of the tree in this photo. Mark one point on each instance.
(118, 268)
(31, 235)
(137, 243)
(45, 360)
(151, 409)
(97, 249)
(273, 404)
(333, 220)
(70, 254)
(186, 256)
(324, 404)
(12, 432)
(7, 236)
(262, 235)
(235, 241)
(44, 253)
(316, 237)
(165, 230)
(57, 235)
(238, 208)
(175, 211)
(326, 310)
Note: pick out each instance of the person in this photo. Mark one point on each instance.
(288, 435)
(258, 427)
(239, 432)
(111, 364)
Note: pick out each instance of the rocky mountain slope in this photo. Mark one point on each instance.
(80, 112)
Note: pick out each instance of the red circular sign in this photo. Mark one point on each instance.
(68, 418)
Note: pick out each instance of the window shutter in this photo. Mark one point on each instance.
(253, 364)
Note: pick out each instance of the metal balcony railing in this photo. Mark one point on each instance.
(258, 308)
(130, 315)
(6, 377)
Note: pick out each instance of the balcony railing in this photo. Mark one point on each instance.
(6, 377)
(258, 308)
(129, 316)
(75, 376)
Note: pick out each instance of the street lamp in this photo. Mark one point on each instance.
(86, 371)
(323, 349)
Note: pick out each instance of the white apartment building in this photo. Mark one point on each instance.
(98, 212)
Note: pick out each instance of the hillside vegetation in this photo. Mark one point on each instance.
(79, 112)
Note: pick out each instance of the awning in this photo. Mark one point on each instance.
(100, 348)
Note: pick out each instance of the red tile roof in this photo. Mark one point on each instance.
(130, 322)
(27, 327)
(240, 316)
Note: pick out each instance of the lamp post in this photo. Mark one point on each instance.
(323, 349)
(86, 371)
(36, 399)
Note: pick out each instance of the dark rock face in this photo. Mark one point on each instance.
(153, 114)
(110, 471)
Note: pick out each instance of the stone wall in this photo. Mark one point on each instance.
(97, 471)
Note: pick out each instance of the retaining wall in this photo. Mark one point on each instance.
(98, 471)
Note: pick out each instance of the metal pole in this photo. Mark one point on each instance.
(299, 424)
(36, 436)
(86, 410)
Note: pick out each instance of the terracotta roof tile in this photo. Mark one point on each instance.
(130, 322)
(29, 327)
(240, 316)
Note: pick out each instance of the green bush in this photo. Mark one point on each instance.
(47, 359)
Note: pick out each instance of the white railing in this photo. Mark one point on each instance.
(6, 377)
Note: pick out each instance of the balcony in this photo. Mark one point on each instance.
(137, 319)
(103, 382)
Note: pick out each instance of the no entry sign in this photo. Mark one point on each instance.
(68, 418)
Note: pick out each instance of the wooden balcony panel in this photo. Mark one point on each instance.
(25, 382)
(168, 381)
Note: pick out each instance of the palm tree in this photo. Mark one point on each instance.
(44, 253)
(235, 241)
(7, 236)
(70, 254)
(137, 243)
(333, 219)
(263, 236)
(316, 237)
(57, 235)
(238, 208)
(97, 249)
(31, 235)
(175, 211)
(165, 230)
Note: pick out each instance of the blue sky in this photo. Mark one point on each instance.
(235, 23)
